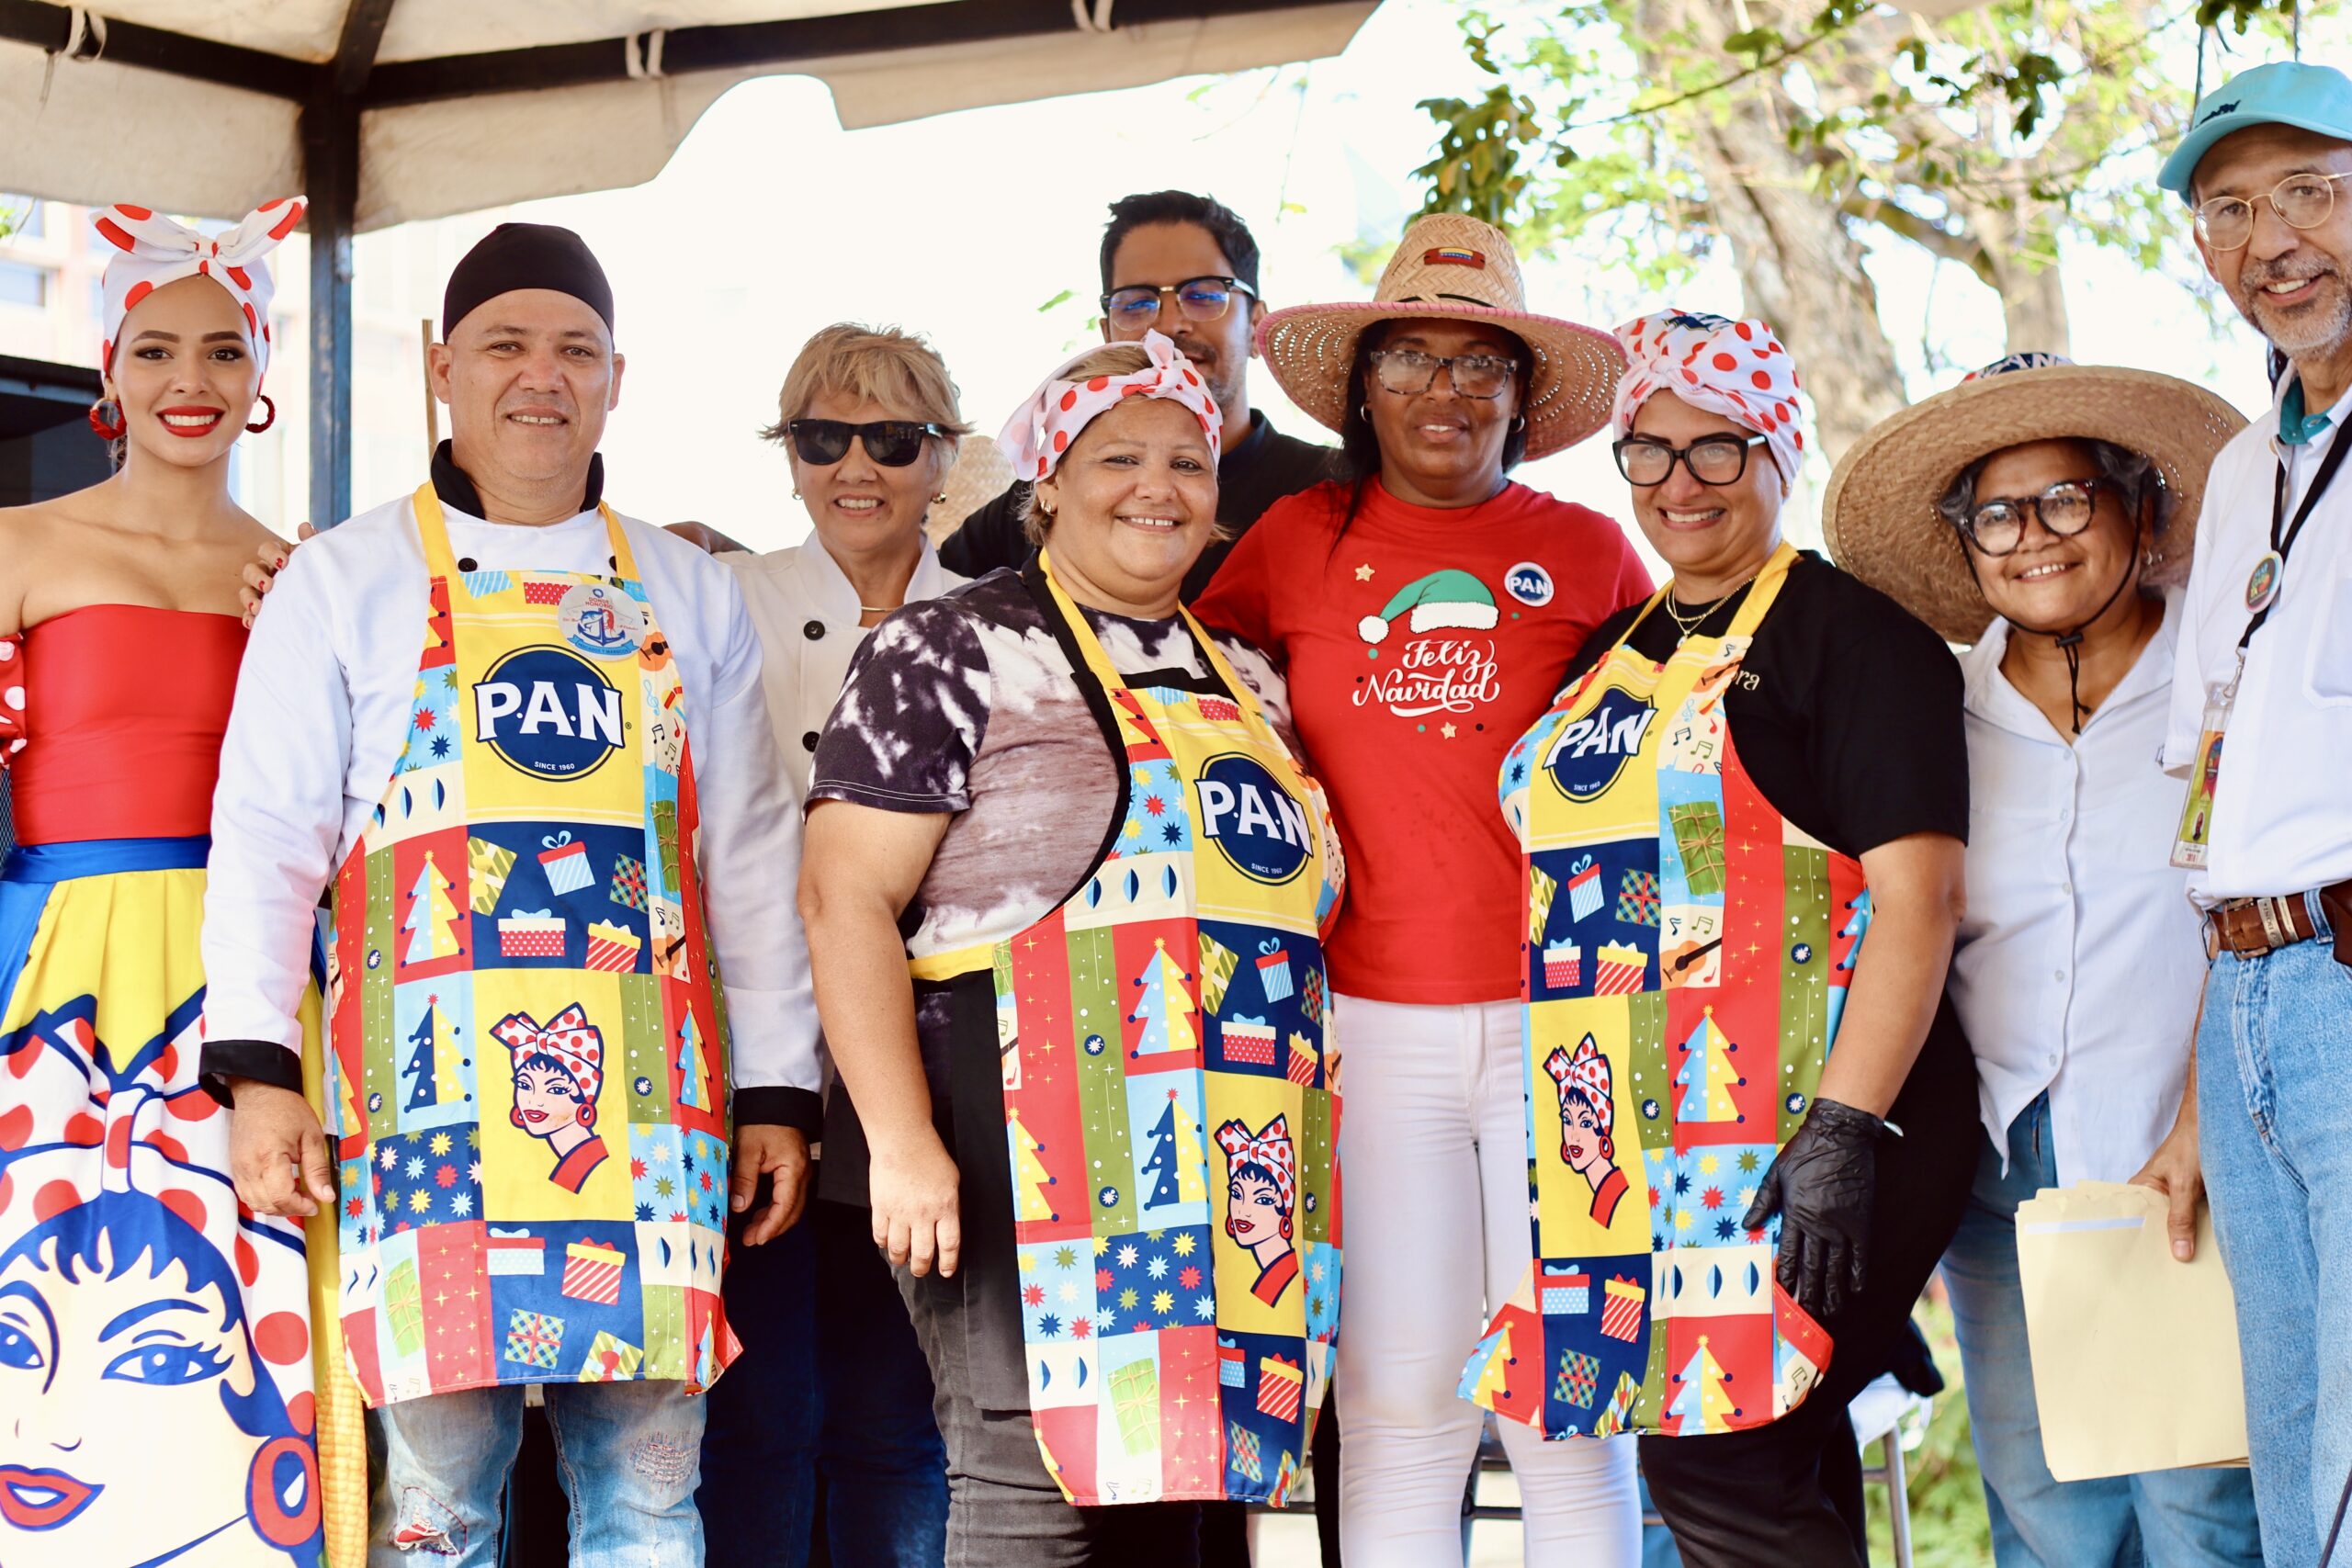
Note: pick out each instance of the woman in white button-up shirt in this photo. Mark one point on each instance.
(2055, 502)
(869, 421)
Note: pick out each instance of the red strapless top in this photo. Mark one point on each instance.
(110, 721)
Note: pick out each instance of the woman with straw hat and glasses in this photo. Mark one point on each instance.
(1424, 611)
(1743, 824)
(2043, 510)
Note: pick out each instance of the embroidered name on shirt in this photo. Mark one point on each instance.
(547, 712)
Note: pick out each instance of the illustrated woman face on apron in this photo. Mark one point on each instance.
(1261, 1182)
(1586, 1115)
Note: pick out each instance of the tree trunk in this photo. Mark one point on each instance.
(1800, 266)
(2033, 296)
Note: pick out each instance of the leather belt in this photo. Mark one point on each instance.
(2249, 927)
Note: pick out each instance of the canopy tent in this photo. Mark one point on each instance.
(382, 111)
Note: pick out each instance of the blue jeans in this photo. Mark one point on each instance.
(758, 1451)
(627, 1453)
(2164, 1518)
(2274, 1104)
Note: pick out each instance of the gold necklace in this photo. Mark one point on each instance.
(1688, 628)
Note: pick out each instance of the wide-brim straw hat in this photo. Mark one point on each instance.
(1879, 515)
(1450, 266)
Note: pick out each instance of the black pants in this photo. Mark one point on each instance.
(1003, 1510)
(1790, 1494)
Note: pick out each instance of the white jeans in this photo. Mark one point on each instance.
(1433, 1151)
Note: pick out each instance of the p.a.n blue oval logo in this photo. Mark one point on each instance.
(1256, 825)
(1593, 748)
(547, 712)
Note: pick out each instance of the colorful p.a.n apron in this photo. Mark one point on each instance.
(1167, 1093)
(1689, 950)
(527, 1089)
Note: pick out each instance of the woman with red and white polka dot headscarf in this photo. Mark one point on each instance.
(120, 637)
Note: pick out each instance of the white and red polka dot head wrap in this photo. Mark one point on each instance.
(1737, 370)
(1042, 429)
(1587, 1074)
(568, 1039)
(149, 250)
(1268, 1148)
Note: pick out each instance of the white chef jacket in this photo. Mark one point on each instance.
(2282, 822)
(2080, 960)
(806, 612)
(323, 698)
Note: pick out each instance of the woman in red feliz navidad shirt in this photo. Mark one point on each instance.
(1426, 612)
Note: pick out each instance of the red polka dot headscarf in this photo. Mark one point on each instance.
(1041, 430)
(1737, 370)
(149, 250)
(1587, 1074)
(1268, 1148)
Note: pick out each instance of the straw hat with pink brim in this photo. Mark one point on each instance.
(1879, 515)
(1450, 266)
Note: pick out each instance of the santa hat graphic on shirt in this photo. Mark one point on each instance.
(1442, 599)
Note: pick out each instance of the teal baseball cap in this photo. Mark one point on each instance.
(2286, 92)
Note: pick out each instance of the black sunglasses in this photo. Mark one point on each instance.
(893, 443)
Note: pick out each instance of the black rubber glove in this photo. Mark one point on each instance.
(1822, 1187)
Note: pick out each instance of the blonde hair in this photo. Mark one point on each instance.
(1110, 359)
(881, 364)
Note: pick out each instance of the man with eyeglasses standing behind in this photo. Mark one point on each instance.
(1185, 266)
(2265, 659)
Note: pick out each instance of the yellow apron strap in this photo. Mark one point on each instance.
(1768, 588)
(948, 965)
(442, 562)
(341, 1434)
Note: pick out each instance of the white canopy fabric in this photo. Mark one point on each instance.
(85, 124)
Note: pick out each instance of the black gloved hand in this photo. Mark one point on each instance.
(1822, 1185)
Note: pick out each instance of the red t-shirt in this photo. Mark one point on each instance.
(1418, 645)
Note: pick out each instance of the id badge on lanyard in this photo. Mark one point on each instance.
(2263, 584)
(2189, 845)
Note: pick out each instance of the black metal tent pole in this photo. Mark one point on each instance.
(330, 127)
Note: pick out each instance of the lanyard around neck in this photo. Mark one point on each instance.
(2285, 532)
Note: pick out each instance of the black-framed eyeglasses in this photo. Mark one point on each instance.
(1997, 527)
(893, 443)
(2302, 201)
(1409, 372)
(1711, 460)
(1197, 299)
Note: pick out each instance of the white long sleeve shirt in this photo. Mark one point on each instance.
(2281, 823)
(805, 610)
(2080, 958)
(321, 702)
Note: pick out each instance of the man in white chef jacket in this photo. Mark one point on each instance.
(529, 372)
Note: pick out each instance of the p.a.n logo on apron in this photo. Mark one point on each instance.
(1592, 750)
(1256, 825)
(547, 712)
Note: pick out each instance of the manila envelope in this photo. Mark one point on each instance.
(2135, 1355)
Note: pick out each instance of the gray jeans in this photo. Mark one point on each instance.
(1003, 1510)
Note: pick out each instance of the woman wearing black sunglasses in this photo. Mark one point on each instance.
(869, 419)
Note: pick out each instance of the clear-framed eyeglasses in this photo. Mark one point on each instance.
(2302, 201)
(1409, 372)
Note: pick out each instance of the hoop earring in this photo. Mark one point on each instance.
(1364, 407)
(268, 420)
(939, 500)
(107, 421)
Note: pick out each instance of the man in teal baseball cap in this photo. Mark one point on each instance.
(2264, 656)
